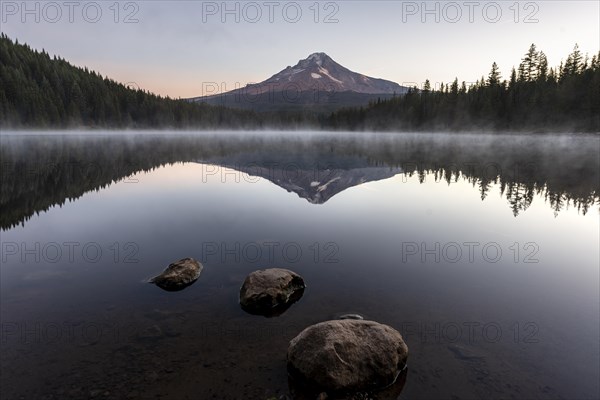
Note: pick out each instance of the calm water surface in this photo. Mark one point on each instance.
(483, 251)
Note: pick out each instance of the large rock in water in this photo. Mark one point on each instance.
(347, 355)
(270, 292)
(178, 275)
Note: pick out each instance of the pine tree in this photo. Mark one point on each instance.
(494, 77)
(427, 86)
(454, 87)
(542, 66)
(529, 65)
(513, 78)
(573, 65)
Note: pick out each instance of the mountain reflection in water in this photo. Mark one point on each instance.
(40, 170)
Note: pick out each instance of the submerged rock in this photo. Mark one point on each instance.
(270, 292)
(347, 355)
(151, 333)
(350, 316)
(178, 275)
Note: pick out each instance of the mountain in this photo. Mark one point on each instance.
(319, 71)
(316, 185)
(316, 82)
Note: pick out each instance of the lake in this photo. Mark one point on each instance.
(482, 250)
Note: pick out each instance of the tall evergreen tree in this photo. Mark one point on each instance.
(494, 77)
(529, 65)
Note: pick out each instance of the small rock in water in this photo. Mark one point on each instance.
(178, 275)
(269, 292)
(347, 355)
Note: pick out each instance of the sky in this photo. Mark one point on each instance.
(185, 48)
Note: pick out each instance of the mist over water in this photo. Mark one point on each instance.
(482, 250)
(561, 168)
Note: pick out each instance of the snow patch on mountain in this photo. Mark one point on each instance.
(326, 73)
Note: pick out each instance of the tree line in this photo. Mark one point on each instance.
(40, 91)
(535, 97)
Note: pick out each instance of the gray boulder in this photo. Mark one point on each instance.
(347, 355)
(178, 275)
(270, 292)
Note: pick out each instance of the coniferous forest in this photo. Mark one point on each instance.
(535, 97)
(42, 91)
(39, 91)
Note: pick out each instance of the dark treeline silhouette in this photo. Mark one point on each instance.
(535, 97)
(40, 171)
(40, 91)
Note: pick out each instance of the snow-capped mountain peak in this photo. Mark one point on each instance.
(318, 69)
(317, 58)
(316, 81)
